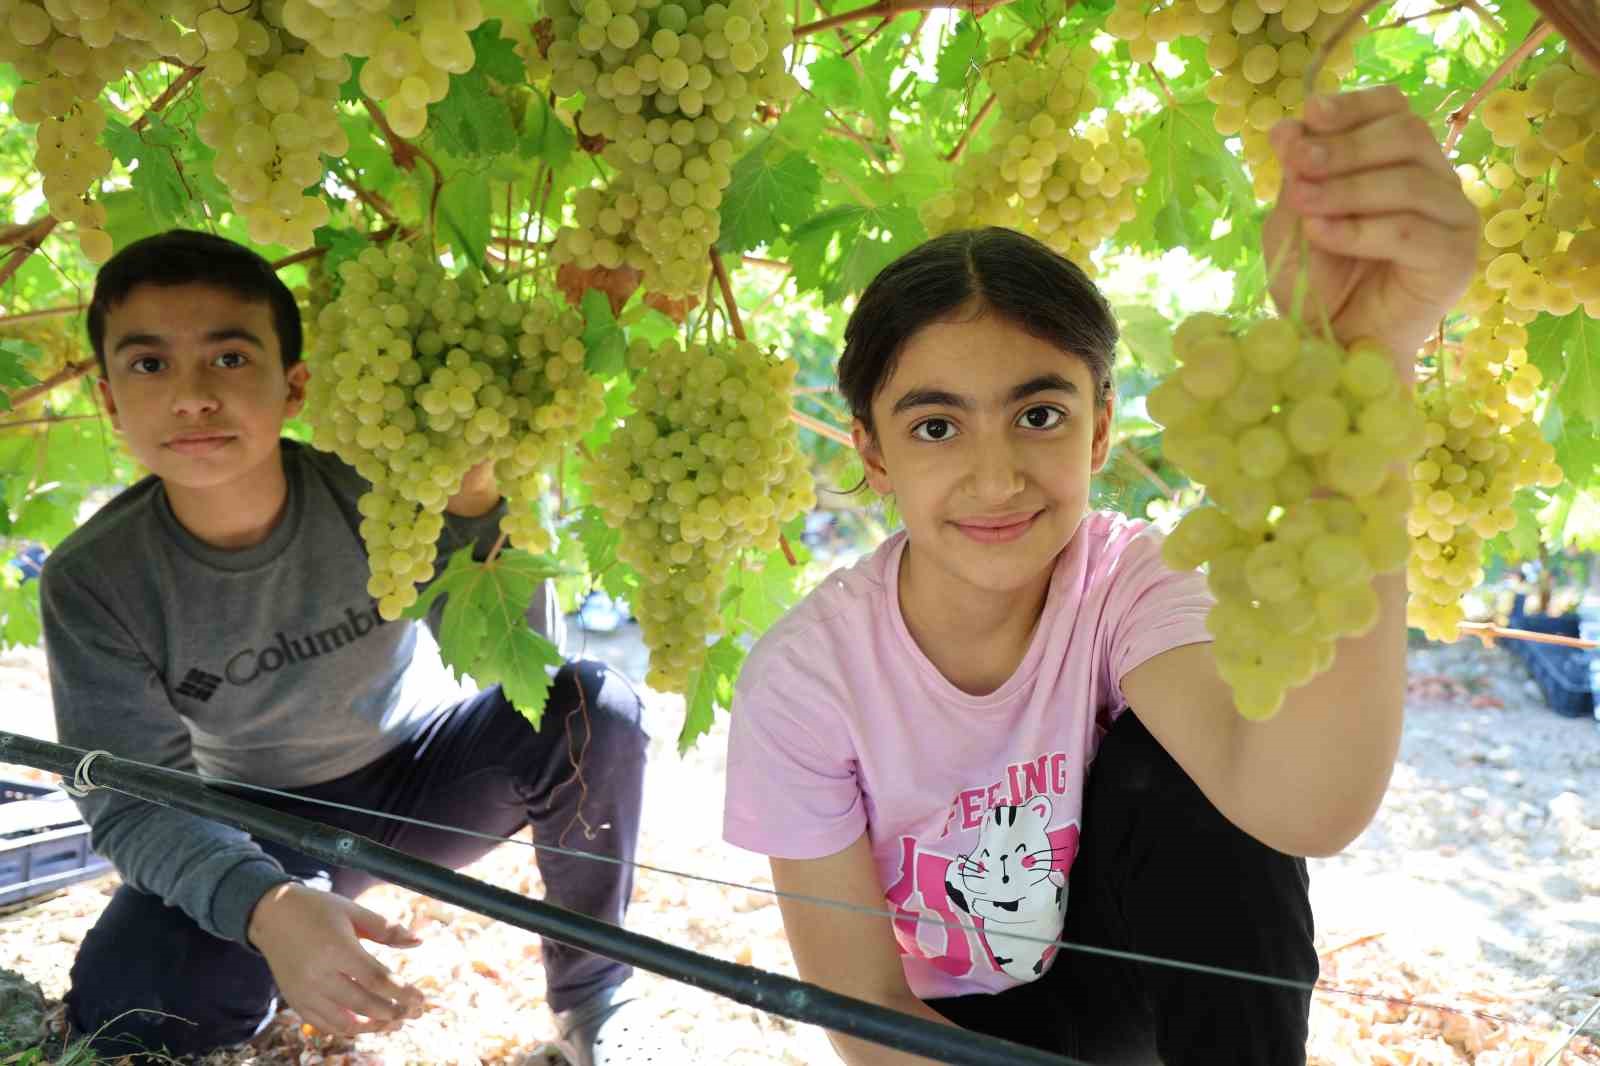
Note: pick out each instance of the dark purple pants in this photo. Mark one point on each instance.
(478, 765)
(1161, 872)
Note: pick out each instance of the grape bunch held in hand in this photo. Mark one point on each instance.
(1300, 444)
(417, 377)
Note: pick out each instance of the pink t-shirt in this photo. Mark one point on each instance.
(841, 725)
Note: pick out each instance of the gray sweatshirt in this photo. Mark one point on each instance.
(268, 665)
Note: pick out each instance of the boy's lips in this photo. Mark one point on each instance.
(199, 443)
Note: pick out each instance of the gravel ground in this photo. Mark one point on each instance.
(1474, 888)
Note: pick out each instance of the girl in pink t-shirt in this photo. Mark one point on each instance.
(943, 731)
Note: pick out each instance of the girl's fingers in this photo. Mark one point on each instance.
(1391, 190)
(1406, 239)
(1388, 140)
(1346, 111)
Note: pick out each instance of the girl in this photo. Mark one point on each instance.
(920, 730)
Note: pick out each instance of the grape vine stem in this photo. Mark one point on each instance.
(1461, 115)
(888, 9)
(1470, 5)
(70, 372)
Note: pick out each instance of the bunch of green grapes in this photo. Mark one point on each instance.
(417, 377)
(1481, 447)
(707, 466)
(1258, 52)
(1299, 444)
(411, 47)
(272, 113)
(1047, 171)
(66, 55)
(1541, 244)
(669, 93)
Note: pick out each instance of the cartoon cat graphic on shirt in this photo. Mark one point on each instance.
(1013, 896)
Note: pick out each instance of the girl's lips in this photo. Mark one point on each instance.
(988, 533)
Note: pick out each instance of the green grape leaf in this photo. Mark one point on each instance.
(464, 212)
(152, 156)
(772, 192)
(484, 632)
(77, 452)
(604, 343)
(544, 135)
(1148, 335)
(709, 687)
(128, 217)
(838, 251)
(19, 610)
(496, 55)
(835, 80)
(350, 91)
(759, 591)
(961, 57)
(1186, 154)
(48, 516)
(12, 375)
(1567, 351)
(600, 540)
(471, 121)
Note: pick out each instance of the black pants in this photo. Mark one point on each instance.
(1161, 872)
(478, 765)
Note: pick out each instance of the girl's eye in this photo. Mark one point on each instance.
(145, 364)
(1043, 417)
(933, 429)
(238, 359)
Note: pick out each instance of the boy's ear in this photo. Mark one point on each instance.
(1102, 435)
(296, 376)
(871, 458)
(109, 402)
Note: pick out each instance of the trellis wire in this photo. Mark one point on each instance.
(7, 739)
(798, 1000)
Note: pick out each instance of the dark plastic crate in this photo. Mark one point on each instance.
(44, 844)
(1562, 674)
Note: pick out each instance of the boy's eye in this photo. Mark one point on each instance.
(232, 360)
(1042, 417)
(933, 429)
(145, 364)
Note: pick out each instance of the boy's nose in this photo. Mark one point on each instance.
(193, 396)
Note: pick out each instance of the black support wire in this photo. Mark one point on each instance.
(799, 1001)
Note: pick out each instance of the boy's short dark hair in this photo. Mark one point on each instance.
(182, 257)
(996, 269)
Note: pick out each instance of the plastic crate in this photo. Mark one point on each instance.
(44, 844)
(1562, 675)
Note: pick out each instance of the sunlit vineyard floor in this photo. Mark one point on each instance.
(1475, 888)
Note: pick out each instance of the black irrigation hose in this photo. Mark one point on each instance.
(797, 1000)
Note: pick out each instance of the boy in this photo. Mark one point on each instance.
(215, 617)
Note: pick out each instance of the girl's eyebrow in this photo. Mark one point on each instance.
(942, 398)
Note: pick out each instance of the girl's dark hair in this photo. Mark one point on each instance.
(182, 257)
(999, 270)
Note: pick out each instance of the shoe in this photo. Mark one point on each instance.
(612, 1028)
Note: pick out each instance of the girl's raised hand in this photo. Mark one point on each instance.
(1392, 239)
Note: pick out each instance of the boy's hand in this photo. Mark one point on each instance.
(1393, 240)
(311, 941)
(479, 492)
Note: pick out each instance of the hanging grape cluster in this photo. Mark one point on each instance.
(1541, 233)
(669, 92)
(707, 466)
(417, 377)
(1258, 51)
(1048, 171)
(1296, 441)
(66, 54)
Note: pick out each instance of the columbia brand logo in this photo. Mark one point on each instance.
(199, 685)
